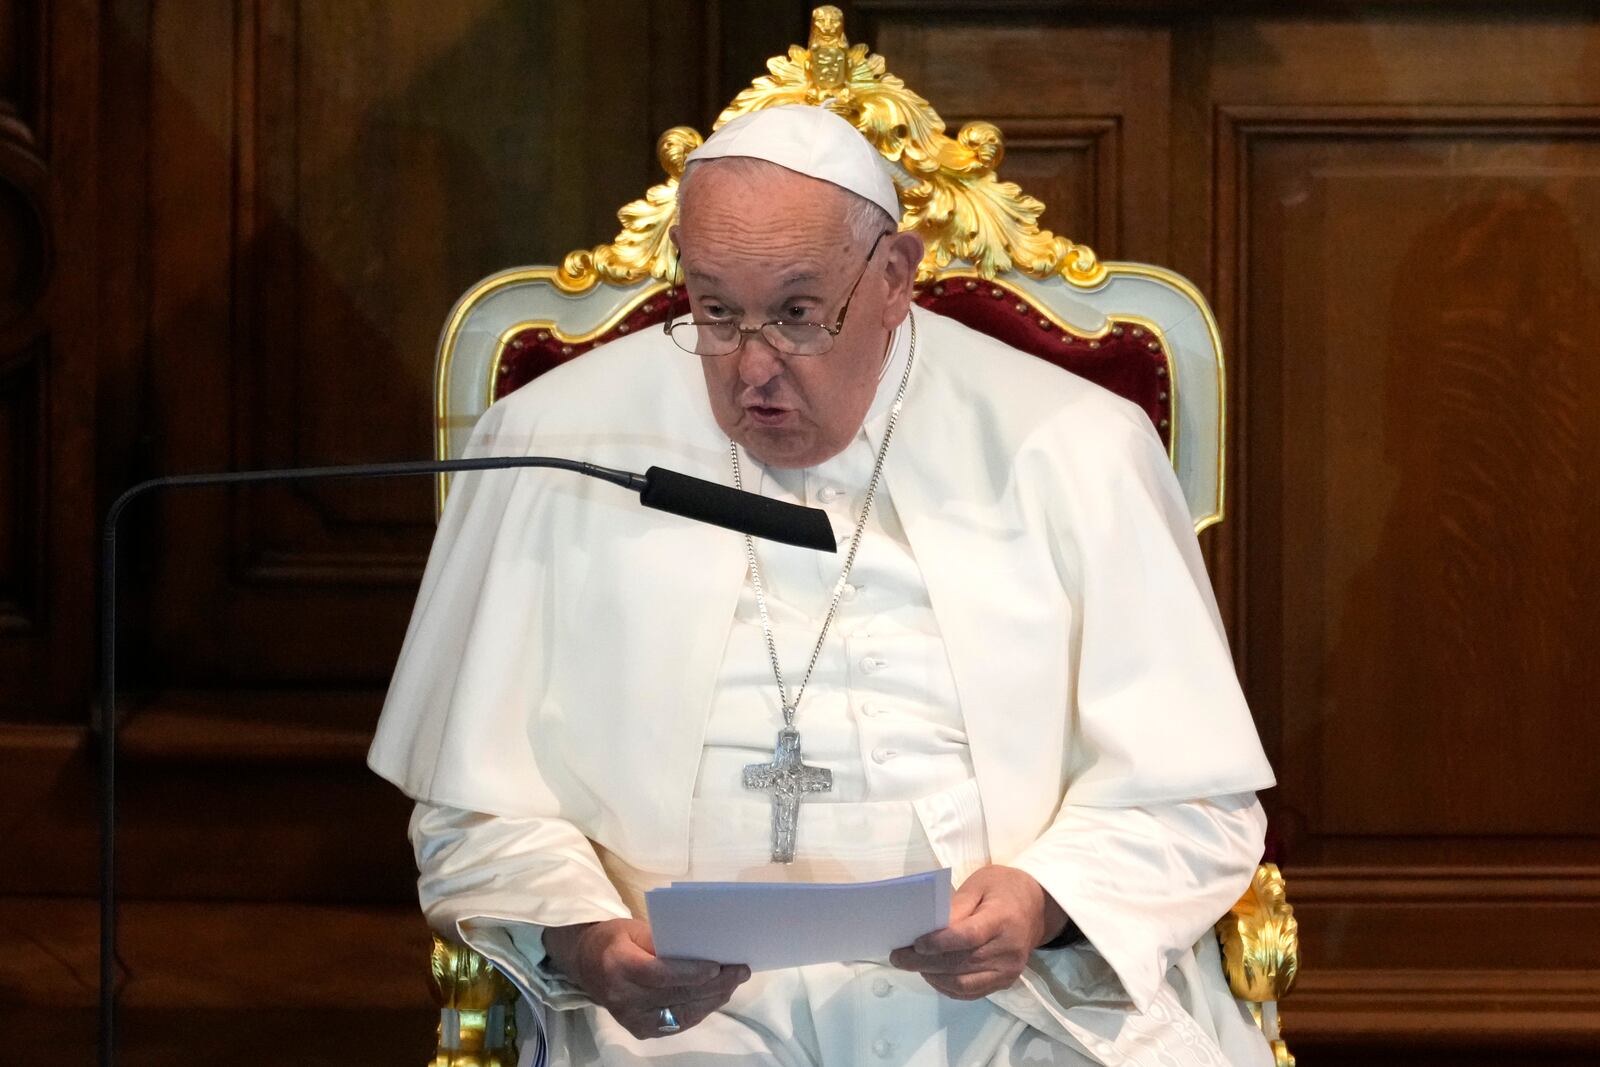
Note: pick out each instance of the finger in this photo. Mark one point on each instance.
(943, 963)
(965, 935)
(965, 901)
(654, 972)
(694, 1012)
(969, 986)
(645, 1022)
(722, 984)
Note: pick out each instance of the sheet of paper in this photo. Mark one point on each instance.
(766, 925)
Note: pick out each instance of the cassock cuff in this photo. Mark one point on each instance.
(1138, 969)
(1145, 884)
(517, 951)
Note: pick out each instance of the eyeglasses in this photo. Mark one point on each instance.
(723, 337)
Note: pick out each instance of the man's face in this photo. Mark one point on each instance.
(776, 246)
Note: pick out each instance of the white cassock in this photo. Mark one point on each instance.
(1028, 669)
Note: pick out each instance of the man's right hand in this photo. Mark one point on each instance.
(614, 962)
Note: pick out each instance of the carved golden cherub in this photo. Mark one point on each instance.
(830, 53)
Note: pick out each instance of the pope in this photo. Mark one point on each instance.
(1014, 668)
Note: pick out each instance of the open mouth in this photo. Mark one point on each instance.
(768, 416)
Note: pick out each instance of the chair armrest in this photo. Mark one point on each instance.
(1260, 942)
(477, 1020)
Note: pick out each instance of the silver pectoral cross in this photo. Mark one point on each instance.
(788, 778)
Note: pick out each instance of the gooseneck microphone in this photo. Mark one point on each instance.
(663, 490)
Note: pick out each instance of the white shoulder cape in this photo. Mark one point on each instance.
(560, 659)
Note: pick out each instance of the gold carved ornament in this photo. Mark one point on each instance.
(476, 1004)
(1260, 942)
(949, 188)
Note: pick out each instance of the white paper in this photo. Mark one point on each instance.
(766, 925)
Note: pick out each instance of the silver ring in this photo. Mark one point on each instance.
(666, 1022)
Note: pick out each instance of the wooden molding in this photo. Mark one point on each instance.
(1547, 1009)
(217, 955)
(253, 726)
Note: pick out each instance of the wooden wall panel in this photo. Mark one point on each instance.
(1402, 257)
(21, 403)
(47, 387)
(326, 179)
(1438, 461)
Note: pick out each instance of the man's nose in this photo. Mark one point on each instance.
(759, 362)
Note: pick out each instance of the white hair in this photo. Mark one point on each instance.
(864, 219)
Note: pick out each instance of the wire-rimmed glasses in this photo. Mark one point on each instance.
(723, 337)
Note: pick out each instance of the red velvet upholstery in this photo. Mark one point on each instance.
(1128, 360)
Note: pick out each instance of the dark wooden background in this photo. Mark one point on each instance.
(230, 231)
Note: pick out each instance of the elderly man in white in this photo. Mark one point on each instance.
(1014, 668)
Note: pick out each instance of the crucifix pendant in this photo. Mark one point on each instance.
(787, 778)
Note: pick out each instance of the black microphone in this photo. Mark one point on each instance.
(664, 490)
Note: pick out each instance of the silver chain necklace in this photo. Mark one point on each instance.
(788, 777)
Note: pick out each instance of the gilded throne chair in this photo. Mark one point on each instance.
(1141, 331)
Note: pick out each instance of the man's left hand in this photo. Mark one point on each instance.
(997, 917)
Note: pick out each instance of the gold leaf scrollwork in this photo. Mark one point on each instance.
(475, 1003)
(949, 187)
(1261, 940)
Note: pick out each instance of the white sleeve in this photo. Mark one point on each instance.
(1145, 884)
(496, 882)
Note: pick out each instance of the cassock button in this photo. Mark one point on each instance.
(883, 1048)
(881, 987)
(873, 664)
(871, 711)
(883, 755)
(830, 493)
(848, 592)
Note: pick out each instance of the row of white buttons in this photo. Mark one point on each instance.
(883, 1048)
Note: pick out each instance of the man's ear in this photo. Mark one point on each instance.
(900, 276)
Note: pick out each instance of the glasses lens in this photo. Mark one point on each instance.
(705, 338)
(798, 338)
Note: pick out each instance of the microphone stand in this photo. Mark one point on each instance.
(661, 489)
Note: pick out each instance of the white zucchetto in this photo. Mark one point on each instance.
(811, 141)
